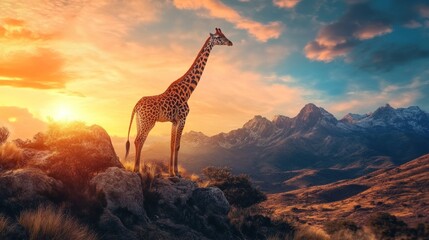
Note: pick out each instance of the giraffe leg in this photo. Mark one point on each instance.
(179, 131)
(172, 148)
(139, 142)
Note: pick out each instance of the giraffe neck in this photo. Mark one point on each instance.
(190, 79)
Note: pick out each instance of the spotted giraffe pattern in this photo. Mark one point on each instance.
(171, 105)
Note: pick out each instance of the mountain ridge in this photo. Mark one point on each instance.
(314, 139)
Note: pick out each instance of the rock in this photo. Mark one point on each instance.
(172, 230)
(79, 153)
(211, 199)
(113, 228)
(26, 188)
(173, 190)
(123, 193)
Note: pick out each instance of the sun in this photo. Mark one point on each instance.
(63, 113)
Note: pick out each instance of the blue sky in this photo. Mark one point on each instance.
(92, 61)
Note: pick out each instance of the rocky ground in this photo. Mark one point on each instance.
(75, 169)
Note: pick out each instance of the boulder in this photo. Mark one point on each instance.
(123, 192)
(27, 188)
(113, 227)
(211, 199)
(173, 190)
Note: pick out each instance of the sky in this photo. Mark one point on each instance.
(91, 61)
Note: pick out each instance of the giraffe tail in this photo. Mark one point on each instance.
(127, 145)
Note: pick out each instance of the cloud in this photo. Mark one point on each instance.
(41, 69)
(20, 122)
(217, 9)
(392, 55)
(286, 3)
(364, 101)
(320, 52)
(16, 29)
(359, 23)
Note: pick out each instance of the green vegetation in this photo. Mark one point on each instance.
(238, 190)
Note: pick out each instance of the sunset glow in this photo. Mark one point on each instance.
(92, 61)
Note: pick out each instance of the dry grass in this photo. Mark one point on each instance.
(364, 234)
(10, 155)
(310, 233)
(4, 134)
(128, 165)
(4, 226)
(48, 223)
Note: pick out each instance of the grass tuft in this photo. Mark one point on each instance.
(10, 155)
(50, 223)
(310, 233)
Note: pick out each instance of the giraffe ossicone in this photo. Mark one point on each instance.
(171, 105)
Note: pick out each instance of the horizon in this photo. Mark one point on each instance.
(92, 62)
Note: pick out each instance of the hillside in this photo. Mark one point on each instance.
(401, 191)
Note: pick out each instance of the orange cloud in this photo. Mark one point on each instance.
(12, 28)
(338, 38)
(286, 3)
(372, 30)
(41, 69)
(217, 9)
(326, 53)
(20, 122)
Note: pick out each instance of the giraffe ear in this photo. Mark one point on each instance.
(211, 34)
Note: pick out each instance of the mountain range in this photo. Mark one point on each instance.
(312, 148)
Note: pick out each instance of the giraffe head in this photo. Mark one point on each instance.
(219, 39)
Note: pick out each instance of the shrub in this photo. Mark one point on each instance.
(10, 230)
(4, 134)
(48, 223)
(310, 233)
(4, 225)
(253, 225)
(11, 156)
(38, 142)
(339, 225)
(386, 226)
(238, 190)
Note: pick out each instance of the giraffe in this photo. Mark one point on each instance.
(171, 105)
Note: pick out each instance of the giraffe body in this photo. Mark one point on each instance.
(171, 106)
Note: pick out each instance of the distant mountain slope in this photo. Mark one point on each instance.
(401, 191)
(272, 151)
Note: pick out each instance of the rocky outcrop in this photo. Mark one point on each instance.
(122, 190)
(211, 199)
(173, 190)
(75, 167)
(124, 209)
(25, 188)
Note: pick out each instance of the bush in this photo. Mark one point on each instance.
(48, 223)
(4, 134)
(310, 233)
(238, 190)
(11, 156)
(339, 225)
(10, 230)
(253, 225)
(386, 226)
(4, 226)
